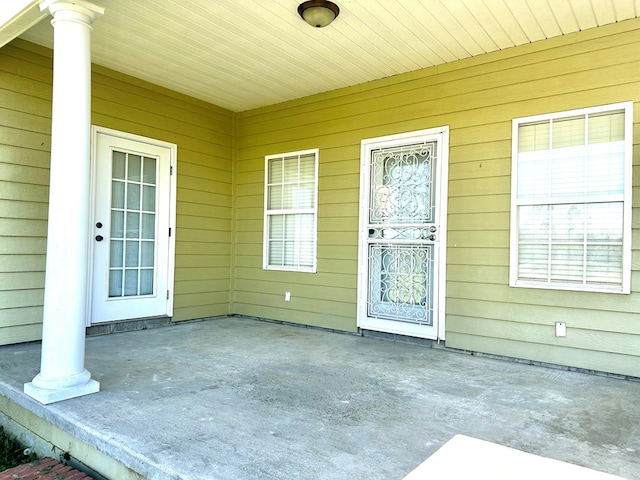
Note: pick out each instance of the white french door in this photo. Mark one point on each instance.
(401, 254)
(133, 215)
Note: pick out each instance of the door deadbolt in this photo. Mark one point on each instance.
(99, 225)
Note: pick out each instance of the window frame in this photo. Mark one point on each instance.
(290, 211)
(515, 203)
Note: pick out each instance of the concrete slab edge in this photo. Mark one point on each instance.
(118, 451)
(41, 447)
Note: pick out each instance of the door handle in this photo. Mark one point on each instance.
(432, 238)
(99, 238)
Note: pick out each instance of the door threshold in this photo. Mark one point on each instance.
(119, 326)
(396, 337)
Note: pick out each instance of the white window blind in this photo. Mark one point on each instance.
(571, 200)
(291, 211)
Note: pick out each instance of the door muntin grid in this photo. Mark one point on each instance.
(133, 211)
(401, 233)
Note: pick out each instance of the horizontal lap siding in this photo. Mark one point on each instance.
(477, 98)
(483, 312)
(325, 298)
(25, 143)
(203, 133)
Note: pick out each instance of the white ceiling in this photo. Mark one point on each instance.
(243, 54)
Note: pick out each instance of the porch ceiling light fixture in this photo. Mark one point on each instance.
(318, 13)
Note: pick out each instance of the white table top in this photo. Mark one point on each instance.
(465, 457)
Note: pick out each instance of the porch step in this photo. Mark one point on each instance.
(44, 469)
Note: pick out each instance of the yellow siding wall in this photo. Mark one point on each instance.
(203, 133)
(25, 143)
(220, 192)
(477, 98)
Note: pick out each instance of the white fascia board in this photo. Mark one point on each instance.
(18, 16)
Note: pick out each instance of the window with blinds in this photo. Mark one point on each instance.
(571, 200)
(291, 198)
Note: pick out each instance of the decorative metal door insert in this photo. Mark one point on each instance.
(401, 233)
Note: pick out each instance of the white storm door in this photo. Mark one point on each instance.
(132, 245)
(402, 234)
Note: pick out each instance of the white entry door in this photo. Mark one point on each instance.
(402, 233)
(133, 217)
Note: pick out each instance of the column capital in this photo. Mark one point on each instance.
(78, 10)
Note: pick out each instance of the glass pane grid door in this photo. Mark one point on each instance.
(401, 233)
(132, 261)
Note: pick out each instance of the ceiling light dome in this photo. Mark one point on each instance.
(318, 13)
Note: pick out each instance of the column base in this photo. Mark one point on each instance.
(47, 396)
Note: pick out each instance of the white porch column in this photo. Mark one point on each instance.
(62, 373)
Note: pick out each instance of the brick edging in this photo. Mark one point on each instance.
(44, 469)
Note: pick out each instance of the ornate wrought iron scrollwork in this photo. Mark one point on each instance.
(400, 227)
(401, 185)
(399, 233)
(403, 280)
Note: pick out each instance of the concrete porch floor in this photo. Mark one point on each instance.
(243, 399)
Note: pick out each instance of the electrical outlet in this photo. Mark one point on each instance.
(561, 329)
(287, 296)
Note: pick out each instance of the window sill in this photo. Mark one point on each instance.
(571, 288)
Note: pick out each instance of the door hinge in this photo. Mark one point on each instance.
(169, 231)
(171, 170)
(167, 294)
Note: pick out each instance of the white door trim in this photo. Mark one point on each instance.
(441, 134)
(173, 149)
